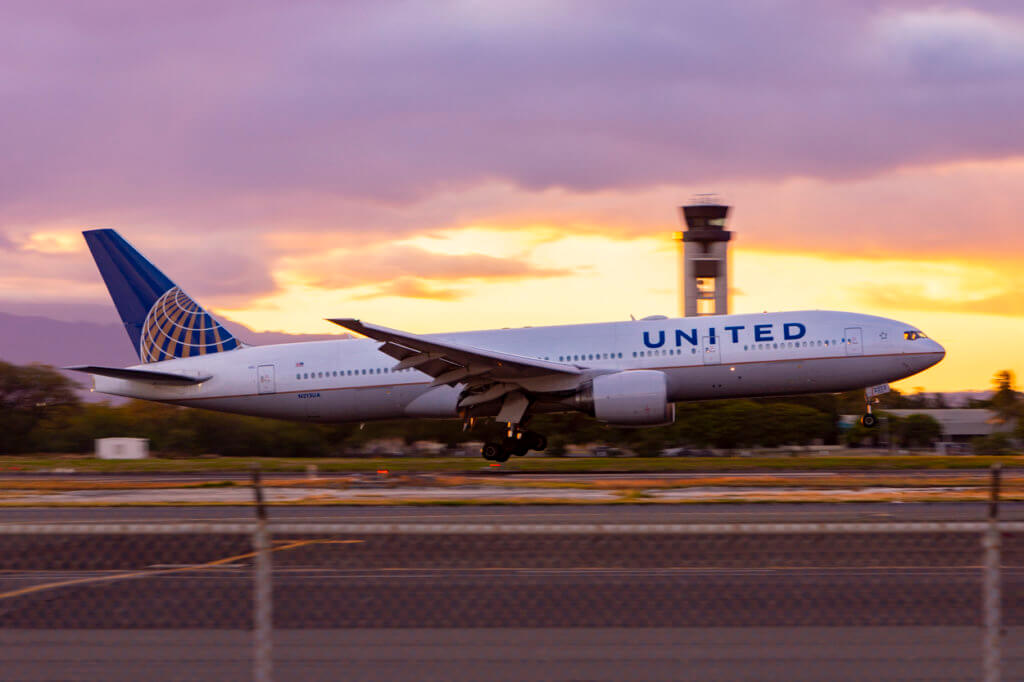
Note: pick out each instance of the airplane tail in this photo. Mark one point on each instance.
(161, 320)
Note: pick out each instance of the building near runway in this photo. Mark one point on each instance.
(122, 448)
(959, 425)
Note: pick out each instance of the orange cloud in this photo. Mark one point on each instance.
(401, 270)
(411, 287)
(1009, 303)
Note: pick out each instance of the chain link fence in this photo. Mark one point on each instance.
(894, 601)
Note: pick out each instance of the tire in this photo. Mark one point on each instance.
(538, 441)
(869, 421)
(493, 452)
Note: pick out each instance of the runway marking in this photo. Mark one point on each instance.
(731, 569)
(145, 574)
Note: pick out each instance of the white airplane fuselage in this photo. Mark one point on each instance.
(727, 356)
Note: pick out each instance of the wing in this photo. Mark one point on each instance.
(488, 374)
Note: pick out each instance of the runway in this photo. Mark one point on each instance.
(772, 512)
(784, 654)
(500, 607)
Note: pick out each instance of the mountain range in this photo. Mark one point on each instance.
(80, 334)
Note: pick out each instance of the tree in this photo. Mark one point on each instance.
(917, 430)
(1006, 401)
(27, 395)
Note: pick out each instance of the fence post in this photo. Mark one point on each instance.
(263, 591)
(991, 588)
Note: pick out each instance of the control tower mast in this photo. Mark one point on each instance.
(704, 258)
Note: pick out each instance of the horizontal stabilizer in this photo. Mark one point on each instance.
(140, 375)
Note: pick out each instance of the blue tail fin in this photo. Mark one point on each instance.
(161, 320)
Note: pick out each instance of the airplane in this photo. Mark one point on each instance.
(626, 374)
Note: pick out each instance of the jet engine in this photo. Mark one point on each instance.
(630, 398)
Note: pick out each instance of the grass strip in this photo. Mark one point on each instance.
(10, 464)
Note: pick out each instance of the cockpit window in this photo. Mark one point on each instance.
(914, 335)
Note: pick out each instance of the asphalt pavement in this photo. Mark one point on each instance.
(500, 607)
(684, 513)
(791, 654)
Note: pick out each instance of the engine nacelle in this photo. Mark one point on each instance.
(631, 398)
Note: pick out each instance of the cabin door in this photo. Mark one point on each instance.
(854, 341)
(265, 379)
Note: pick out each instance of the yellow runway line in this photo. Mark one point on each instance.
(164, 571)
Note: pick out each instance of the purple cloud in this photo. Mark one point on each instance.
(200, 130)
(201, 113)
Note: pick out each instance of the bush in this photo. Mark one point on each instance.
(993, 444)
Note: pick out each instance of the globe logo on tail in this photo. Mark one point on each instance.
(178, 327)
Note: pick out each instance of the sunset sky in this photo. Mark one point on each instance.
(457, 165)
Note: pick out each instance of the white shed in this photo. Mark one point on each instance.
(122, 448)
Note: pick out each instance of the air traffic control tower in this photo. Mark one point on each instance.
(704, 260)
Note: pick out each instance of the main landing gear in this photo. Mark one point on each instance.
(516, 442)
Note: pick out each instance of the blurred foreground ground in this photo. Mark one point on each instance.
(539, 605)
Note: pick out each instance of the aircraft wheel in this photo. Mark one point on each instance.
(538, 441)
(517, 445)
(494, 452)
(869, 421)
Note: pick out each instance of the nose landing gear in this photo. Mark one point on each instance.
(871, 394)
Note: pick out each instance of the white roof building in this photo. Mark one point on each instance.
(958, 424)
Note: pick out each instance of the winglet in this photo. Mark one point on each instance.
(349, 323)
